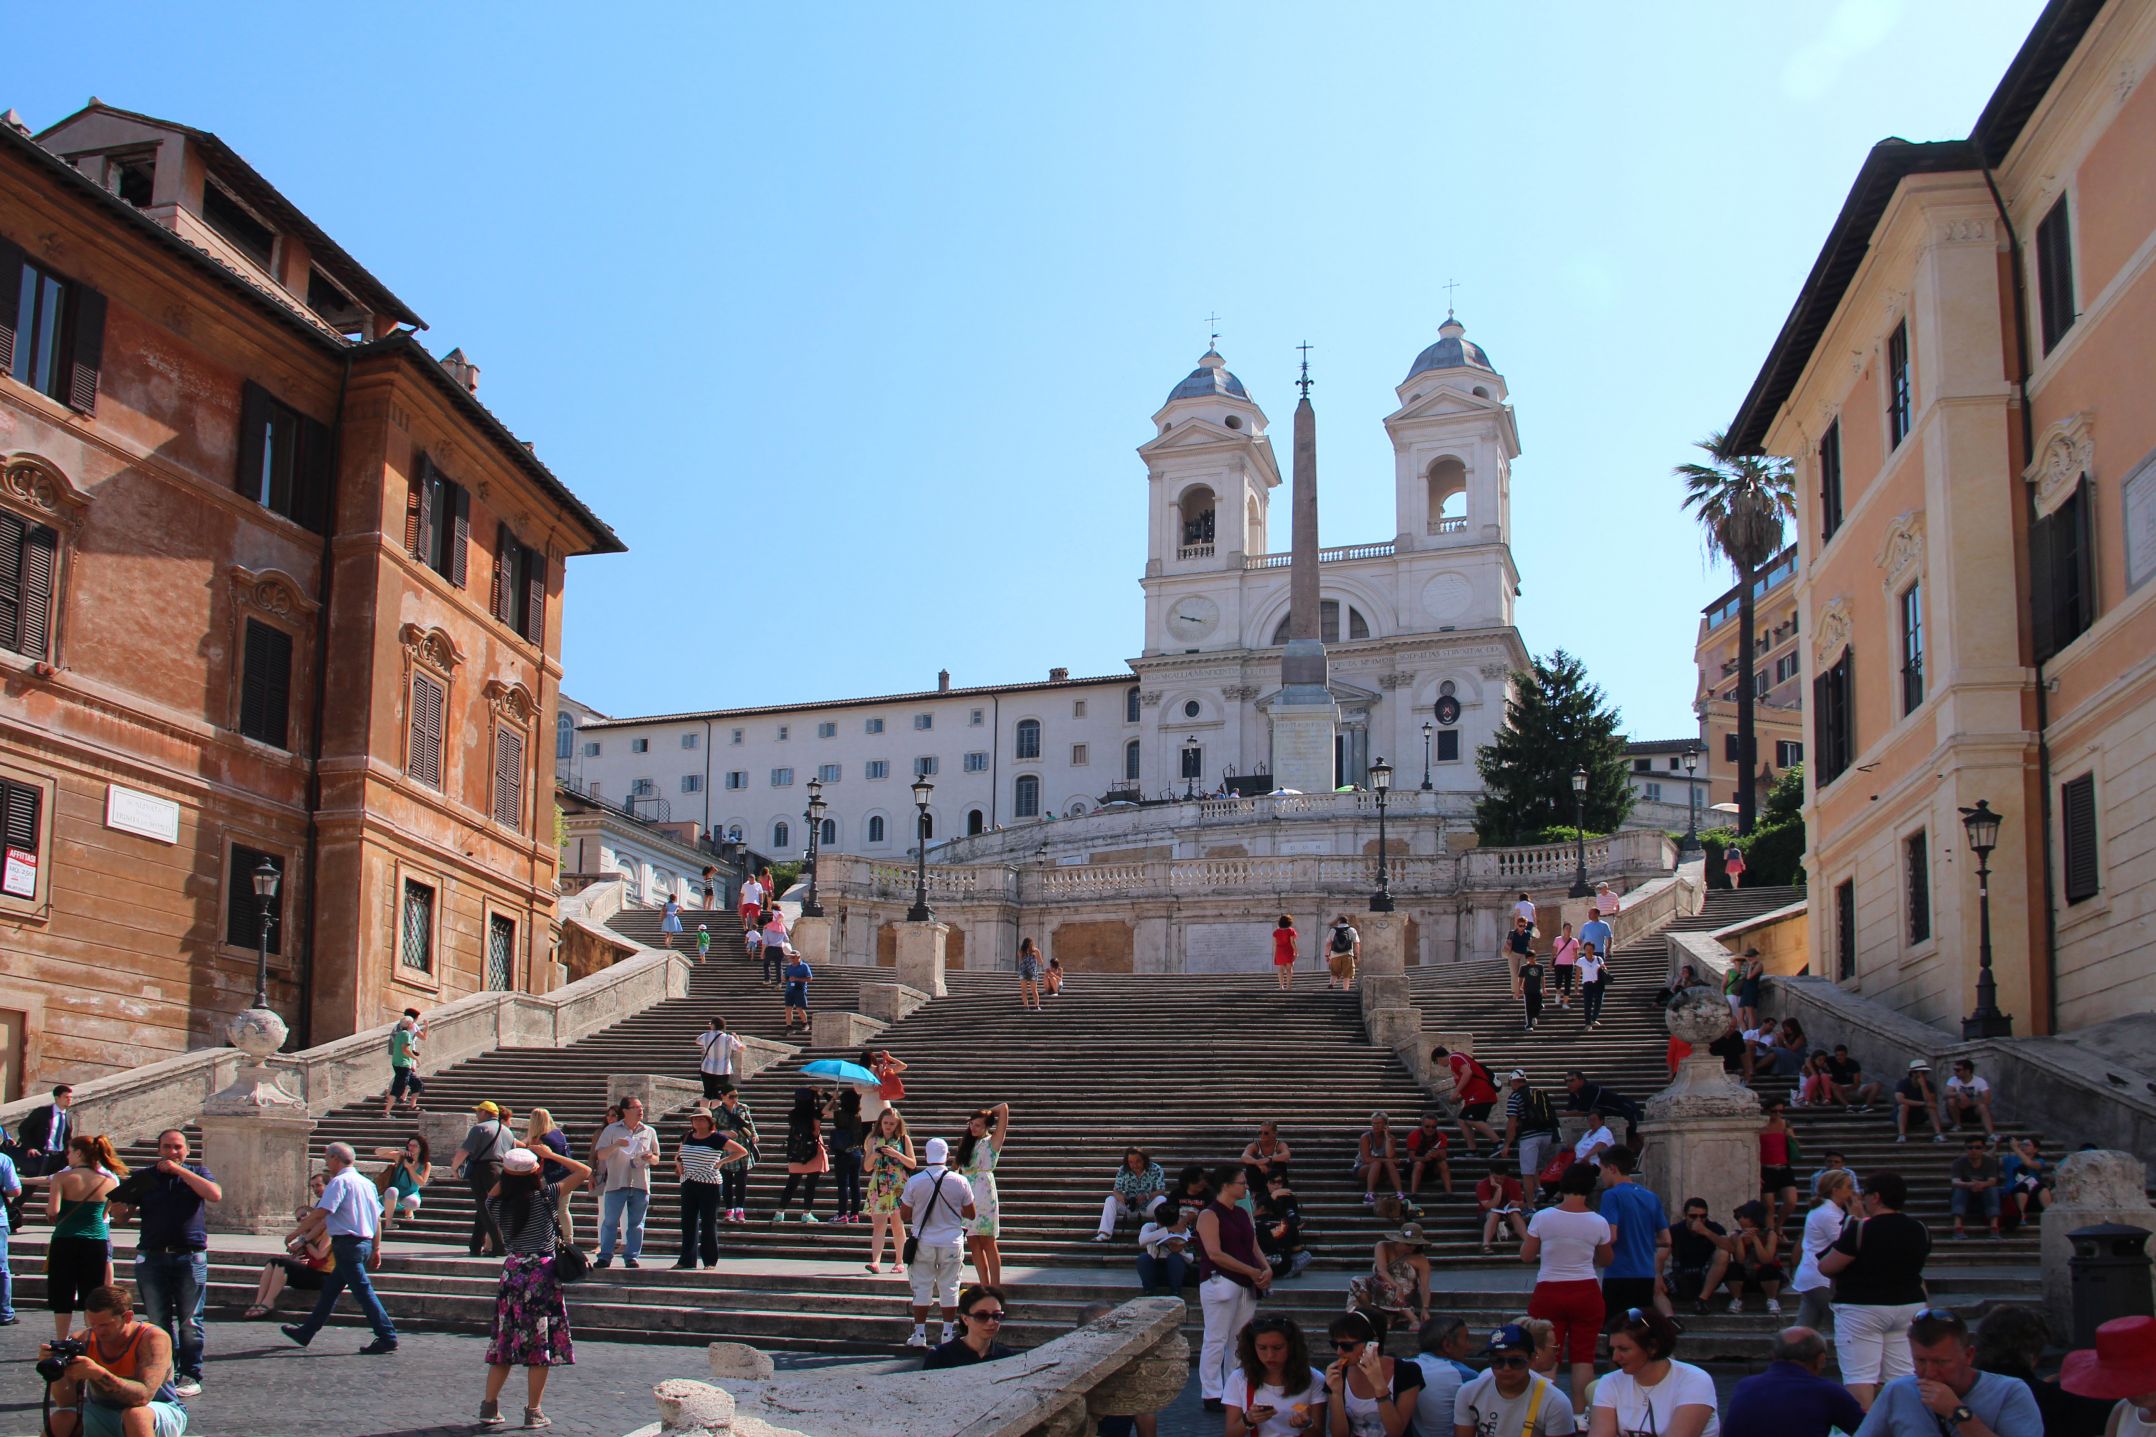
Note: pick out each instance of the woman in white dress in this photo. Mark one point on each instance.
(975, 1161)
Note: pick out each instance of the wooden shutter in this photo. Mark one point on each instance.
(2042, 621)
(12, 533)
(10, 295)
(2077, 819)
(86, 334)
(266, 685)
(256, 409)
(509, 778)
(460, 533)
(312, 480)
(504, 573)
(416, 507)
(535, 595)
(425, 763)
(40, 557)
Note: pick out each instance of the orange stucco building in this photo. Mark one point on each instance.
(1777, 681)
(273, 584)
(1963, 383)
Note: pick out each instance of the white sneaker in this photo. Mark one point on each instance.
(1774, 1306)
(919, 1338)
(1736, 1304)
(948, 1334)
(188, 1387)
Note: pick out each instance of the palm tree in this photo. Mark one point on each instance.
(1740, 501)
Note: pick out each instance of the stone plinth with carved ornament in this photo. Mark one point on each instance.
(1701, 1133)
(256, 1134)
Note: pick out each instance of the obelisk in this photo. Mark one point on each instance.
(1304, 716)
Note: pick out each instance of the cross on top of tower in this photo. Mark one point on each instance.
(1305, 382)
(1212, 322)
(1449, 286)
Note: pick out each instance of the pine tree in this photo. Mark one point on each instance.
(1556, 722)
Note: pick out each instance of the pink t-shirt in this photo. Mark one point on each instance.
(1564, 950)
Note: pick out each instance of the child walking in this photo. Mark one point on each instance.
(1531, 989)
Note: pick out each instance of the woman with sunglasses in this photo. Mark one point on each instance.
(1367, 1394)
(1274, 1391)
(1650, 1392)
(980, 1315)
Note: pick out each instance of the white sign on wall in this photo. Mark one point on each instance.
(132, 811)
(1228, 948)
(19, 877)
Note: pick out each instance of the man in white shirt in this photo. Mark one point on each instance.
(350, 1211)
(625, 1154)
(1606, 899)
(722, 1052)
(1966, 1093)
(750, 902)
(1511, 1399)
(934, 1205)
(1525, 908)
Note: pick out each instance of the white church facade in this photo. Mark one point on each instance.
(1418, 631)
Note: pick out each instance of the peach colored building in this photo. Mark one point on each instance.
(1963, 383)
(1777, 677)
(273, 584)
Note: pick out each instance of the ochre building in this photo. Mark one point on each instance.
(274, 585)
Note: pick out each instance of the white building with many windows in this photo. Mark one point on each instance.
(1418, 626)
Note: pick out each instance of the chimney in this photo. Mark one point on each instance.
(462, 370)
(943, 681)
(1059, 676)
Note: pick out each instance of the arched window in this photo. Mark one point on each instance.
(1194, 524)
(976, 821)
(1448, 496)
(782, 837)
(564, 736)
(1358, 627)
(1254, 523)
(1130, 761)
(829, 838)
(1026, 797)
(1130, 704)
(1029, 738)
(875, 828)
(1075, 809)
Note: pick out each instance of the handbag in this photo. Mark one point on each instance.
(571, 1263)
(913, 1243)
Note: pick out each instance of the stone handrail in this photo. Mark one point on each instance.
(1653, 905)
(139, 1101)
(1632, 850)
(1168, 823)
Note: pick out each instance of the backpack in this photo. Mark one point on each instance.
(1343, 940)
(1536, 1114)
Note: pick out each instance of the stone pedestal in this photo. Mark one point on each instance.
(920, 956)
(1702, 1131)
(811, 938)
(837, 1029)
(889, 1002)
(261, 1161)
(1305, 720)
(660, 1093)
(1384, 942)
(444, 1132)
(2094, 1187)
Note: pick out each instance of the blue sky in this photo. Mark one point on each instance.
(849, 319)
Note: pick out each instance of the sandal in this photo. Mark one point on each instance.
(873, 1268)
(257, 1312)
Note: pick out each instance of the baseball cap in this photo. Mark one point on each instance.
(1512, 1336)
(488, 1108)
(520, 1160)
(936, 1151)
(1517, 1075)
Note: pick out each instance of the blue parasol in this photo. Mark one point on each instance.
(843, 1071)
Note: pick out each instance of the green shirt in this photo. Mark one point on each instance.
(401, 1039)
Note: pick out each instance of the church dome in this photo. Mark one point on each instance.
(1209, 380)
(1452, 351)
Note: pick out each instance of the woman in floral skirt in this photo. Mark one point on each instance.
(531, 1320)
(890, 1163)
(975, 1161)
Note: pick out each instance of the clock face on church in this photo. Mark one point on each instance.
(1192, 617)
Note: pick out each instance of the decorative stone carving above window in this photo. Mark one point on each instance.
(35, 486)
(1830, 633)
(2064, 452)
(432, 648)
(1394, 680)
(1497, 673)
(1150, 698)
(1901, 554)
(273, 591)
(1239, 693)
(511, 703)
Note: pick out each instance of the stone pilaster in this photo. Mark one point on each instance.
(261, 1161)
(921, 956)
(811, 938)
(1384, 942)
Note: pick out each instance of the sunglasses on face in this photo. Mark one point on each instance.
(1347, 1344)
(992, 1314)
(1509, 1363)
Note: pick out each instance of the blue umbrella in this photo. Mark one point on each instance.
(843, 1071)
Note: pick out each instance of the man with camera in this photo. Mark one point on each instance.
(114, 1378)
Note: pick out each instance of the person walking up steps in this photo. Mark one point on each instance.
(1475, 1091)
(405, 1084)
(703, 943)
(722, 1051)
(670, 921)
(1284, 941)
(1343, 953)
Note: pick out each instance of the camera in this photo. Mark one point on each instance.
(64, 1350)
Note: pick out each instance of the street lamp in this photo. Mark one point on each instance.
(1987, 1021)
(1190, 767)
(1428, 728)
(1579, 834)
(919, 913)
(810, 908)
(265, 878)
(1691, 790)
(1381, 780)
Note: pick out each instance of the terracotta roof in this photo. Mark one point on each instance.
(924, 695)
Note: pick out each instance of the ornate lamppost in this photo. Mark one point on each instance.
(266, 878)
(1987, 1021)
(1190, 767)
(1381, 781)
(1579, 834)
(810, 908)
(919, 912)
(1428, 728)
(1691, 789)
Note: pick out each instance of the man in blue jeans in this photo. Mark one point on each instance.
(10, 1189)
(351, 1212)
(172, 1265)
(625, 1154)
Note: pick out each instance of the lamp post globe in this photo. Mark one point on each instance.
(1428, 728)
(1381, 783)
(1982, 826)
(1691, 799)
(1579, 835)
(810, 908)
(266, 878)
(920, 912)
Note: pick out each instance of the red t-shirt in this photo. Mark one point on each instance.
(1489, 1188)
(1774, 1150)
(1472, 1086)
(1418, 1141)
(1284, 946)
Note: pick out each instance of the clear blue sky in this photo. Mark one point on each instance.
(848, 318)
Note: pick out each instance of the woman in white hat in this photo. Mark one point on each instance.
(531, 1319)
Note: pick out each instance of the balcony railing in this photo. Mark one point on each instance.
(1334, 555)
(1449, 524)
(1194, 551)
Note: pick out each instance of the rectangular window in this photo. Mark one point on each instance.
(501, 953)
(1029, 740)
(1193, 760)
(20, 806)
(874, 725)
(591, 748)
(640, 745)
(1834, 739)
(243, 908)
(785, 732)
(782, 778)
(519, 598)
(642, 788)
(976, 718)
(52, 331)
(1845, 930)
(1642, 765)
(416, 950)
(237, 224)
(827, 773)
(1912, 647)
(976, 763)
(2060, 573)
(1078, 708)
(735, 736)
(1916, 869)
(2055, 275)
(737, 778)
(509, 778)
(876, 768)
(266, 684)
(1653, 792)
(437, 521)
(924, 767)
(1787, 667)
(1830, 481)
(284, 459)
(2077, 820)
(1897, 378)
(429, 700)
(827, 729)
(1077, 755)
(1448, 745)
(692, 783)
(923, 722)
(1729, 747)
(1788, 753)
(688, 740)
(29, 555)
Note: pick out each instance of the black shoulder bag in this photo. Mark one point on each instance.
(913, 1244)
